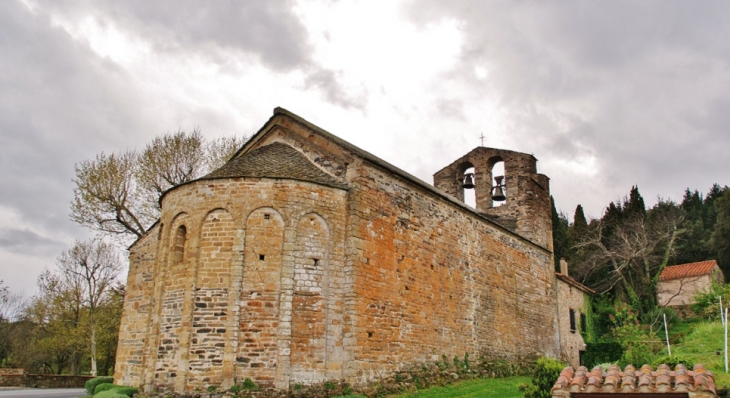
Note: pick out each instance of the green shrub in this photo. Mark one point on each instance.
(235, 388)
(248, 384)
(104, 387)
(110, 394)
(673, 361)
(598, 353)
(127, 391)
(707, 306)
(639, 344)
(91, 384)
(655, 316)
(124, 390)
(544, 376)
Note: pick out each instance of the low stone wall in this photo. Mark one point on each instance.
(10, 377)
(21, 378)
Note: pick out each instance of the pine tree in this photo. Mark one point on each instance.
(580, 224)
(635, 204)
(561, 244)
(721, 236)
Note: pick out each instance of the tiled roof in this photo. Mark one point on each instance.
(685, 270)
(276, 160)
(698, 382)
(567, 279)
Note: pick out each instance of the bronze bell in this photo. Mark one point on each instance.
(468, 181)
(498, 194)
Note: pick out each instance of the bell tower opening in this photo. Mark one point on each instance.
(498, 184)
(470, 198)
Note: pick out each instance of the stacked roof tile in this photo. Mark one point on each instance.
(698, 382)
(685, 270)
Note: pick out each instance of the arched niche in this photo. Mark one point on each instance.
(309, 298)
(173, 281)
(256, 356)
(212, 281)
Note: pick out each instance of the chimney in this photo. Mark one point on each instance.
(563, 267)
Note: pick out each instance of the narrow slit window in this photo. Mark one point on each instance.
(315, 261)
(261, 257)
(267, 216)
(572, 320)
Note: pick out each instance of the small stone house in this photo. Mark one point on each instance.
(678, 284)
(573, 302)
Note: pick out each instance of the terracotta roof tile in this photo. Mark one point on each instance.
(685, 270)
(698, 382)
(276, 160)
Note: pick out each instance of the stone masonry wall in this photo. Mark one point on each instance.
(228, 290)
(138, 300)
(434, 279)
(571, 341)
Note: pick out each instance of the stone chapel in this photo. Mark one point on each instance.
(305, 259)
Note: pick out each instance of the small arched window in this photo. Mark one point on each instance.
(178, 247)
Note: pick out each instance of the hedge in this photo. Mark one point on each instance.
(91, 384)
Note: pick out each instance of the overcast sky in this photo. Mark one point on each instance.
(605, 94)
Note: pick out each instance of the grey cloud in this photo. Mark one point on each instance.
(638, 85)
(327, 81)
(56, 108)
(268, 29)
(27, 242)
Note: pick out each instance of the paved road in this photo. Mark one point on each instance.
(44, 393)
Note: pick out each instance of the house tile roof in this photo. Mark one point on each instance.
(572, 282)
(698, 382)
(685, 270)
(276, 160)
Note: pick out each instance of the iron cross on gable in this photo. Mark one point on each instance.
(481, 137)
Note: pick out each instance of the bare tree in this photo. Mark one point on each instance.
(92, 267)
(118, 194)
(12, 305)
(171, 160)
(222, 150)
(629, 256)
(106, 196)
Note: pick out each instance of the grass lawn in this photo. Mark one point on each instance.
(483, 388)
(700, 345)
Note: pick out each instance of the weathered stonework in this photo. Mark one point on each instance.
(573, 305)
(306, 259)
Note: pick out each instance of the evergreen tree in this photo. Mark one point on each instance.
(695, 244)
(721, 236)
(561, 244)
(580, 224)
(635, 204)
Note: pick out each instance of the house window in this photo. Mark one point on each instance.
(583, 323)
(572, 320)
